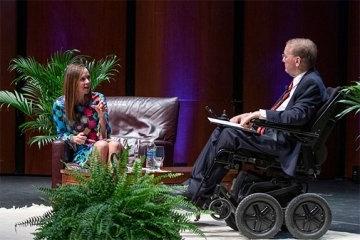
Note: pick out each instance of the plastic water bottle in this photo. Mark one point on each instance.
(150, 155)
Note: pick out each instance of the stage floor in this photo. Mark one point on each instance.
(342, 195)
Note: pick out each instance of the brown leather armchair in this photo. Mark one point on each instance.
(144, 118)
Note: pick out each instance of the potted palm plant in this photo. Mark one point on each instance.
(41, 84)
(351, 101)
(352, 95)
(114, 204)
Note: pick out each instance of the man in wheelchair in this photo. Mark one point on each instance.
(287, 136)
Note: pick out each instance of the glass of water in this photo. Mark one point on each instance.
(159, 157)
(136, 152)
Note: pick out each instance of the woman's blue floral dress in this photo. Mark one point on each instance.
(87, 121)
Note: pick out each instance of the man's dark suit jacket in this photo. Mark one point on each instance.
(308, 97)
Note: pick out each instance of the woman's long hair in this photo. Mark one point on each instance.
(71, 80)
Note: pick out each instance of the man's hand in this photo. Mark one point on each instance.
(245, 118)
(246, 121)
(80, 138)
(237, 119)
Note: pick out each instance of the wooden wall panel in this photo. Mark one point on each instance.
(7, 116)
(96, 28)
(185, 49)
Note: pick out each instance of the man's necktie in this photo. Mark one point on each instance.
(277, 104)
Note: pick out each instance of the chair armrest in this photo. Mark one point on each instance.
(58, 152)
(298, 132)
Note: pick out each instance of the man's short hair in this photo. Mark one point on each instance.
(305, 49)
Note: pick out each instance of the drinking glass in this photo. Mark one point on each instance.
(136, 149)
(159, 157)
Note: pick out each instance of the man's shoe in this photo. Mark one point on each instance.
(182, 191)
(186, 194)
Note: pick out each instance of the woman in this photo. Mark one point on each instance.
(81, 117)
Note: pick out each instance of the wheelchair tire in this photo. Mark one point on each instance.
(308, 216)
(221, 209)
(231, 222)
(259, 215)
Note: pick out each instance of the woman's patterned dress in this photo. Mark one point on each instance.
(87, 121)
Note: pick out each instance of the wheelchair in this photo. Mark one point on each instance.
(265, 200)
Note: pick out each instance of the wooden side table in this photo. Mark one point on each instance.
(66, 177)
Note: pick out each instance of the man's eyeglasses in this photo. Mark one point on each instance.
(287, 55)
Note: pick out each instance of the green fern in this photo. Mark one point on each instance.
(33, 221)
(115, 204)
(41, 84)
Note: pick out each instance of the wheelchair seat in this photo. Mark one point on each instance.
(258, 200)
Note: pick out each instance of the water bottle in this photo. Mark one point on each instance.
(150, 155)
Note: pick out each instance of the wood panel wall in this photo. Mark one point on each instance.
(7, 116)
(185, 49)
(96, 28)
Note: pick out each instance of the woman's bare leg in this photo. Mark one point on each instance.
(114, 147)
(103, 148)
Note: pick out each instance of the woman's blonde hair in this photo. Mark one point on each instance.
(71, 80)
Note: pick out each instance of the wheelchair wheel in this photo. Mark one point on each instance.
(221, 209)
(259, 215)
(308, 216)
(231, 222)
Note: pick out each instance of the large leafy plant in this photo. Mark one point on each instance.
(351, 101)
(114, 204)
(38, 85)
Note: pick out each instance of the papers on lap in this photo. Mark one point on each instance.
(230, 124)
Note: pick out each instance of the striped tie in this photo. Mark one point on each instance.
(277, 104)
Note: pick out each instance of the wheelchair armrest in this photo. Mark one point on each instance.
(299, 132)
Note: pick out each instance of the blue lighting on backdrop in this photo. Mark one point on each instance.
(181, 62)
(181, 76)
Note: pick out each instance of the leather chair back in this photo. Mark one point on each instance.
(147, 119)
(144, 117)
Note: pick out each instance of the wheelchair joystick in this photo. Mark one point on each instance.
(224, 116)
(211, 112)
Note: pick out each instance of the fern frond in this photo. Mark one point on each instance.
(27, 69)
(42, 140)
(42, 124)
(16, 100)
(34, 221)
(102, 70)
